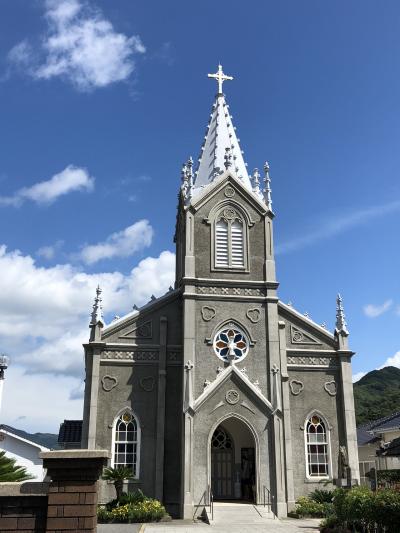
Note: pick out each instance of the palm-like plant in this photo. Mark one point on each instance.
(9, 471)
(117, 476)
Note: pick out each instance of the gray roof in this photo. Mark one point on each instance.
(70, 432)
(367, 433)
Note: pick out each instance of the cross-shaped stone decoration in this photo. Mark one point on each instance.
(220, 77)
(189, 365)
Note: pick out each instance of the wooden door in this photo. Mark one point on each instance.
(222, 465)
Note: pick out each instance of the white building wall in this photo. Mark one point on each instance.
(25, 455)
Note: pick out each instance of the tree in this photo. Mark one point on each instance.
(9, 471)
(117, 476)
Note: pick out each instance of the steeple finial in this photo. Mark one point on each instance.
(97, 313)
(187, 180)
(255, 182)
(220, 77)
(228, 158)
(267, 186)
(341, 324)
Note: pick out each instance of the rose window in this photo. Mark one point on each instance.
(231, 344)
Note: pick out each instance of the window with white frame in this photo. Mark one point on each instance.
(229, 240)
(317, 447)
(127, 442)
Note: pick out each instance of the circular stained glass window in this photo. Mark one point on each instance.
(231, 344)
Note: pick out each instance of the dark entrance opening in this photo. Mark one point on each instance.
(233, 473)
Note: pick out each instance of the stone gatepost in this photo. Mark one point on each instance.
(72, 500)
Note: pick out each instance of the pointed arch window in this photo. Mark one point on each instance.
(229, 240)
(317, 447)
(126, 442)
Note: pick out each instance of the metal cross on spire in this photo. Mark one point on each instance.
(220, 77)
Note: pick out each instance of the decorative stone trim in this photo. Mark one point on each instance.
(311, 361)
(149, 355)
(147, 383)
(232, 397)
(247, 406)
(140, 331)
(254, 314)
(301, 337)
(109, 383)
(229, 192)
(174, 356)
(208, 312)
(296, 386)
(231, 291)
(331, 387)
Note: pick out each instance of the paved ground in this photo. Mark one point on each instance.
(184, 526)
(271, 526)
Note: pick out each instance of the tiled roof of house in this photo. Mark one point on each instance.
(392, 449)
(367, 433)
(70, 432)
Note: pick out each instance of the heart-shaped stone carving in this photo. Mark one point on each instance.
(109, 383)
(208, 313)
(147, 383)
(254, 314)
(296, 386)
(331, 387)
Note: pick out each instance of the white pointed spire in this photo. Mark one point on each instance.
(255, 181)
(97, 313)
(267, 186)
(341, 324)
(220, 136)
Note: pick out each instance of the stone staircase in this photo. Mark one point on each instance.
(239, 513)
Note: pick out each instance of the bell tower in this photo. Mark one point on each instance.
(226, 272)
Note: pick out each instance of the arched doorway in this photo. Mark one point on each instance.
(233, 461)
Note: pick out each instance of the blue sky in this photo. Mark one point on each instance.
(101, 102)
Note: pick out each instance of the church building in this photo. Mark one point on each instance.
(218, 389)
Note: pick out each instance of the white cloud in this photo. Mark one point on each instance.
(38, 402)
(44, 317)
(392, 361)
(336, 225)
(45, 192)
(49, 251)
(357, 376)
(372, 311)
(120, 244)
(80, 46)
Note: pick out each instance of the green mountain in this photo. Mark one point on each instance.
(377, 394)
(49, 440)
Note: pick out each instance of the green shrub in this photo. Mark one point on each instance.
(307, 507)
(322, 496)
(132, 497)
(360, 509)
(386, 509)
(132, 507)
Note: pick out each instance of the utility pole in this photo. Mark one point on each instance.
(4, 361)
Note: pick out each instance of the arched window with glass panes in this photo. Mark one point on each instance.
(317, 447)
(126, 442)
(229, 240)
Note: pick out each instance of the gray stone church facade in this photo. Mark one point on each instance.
(218, 386)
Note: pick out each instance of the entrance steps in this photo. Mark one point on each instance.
(239, 513)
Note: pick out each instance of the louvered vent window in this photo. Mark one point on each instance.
(237, 244)
(221, 244)
(229, 240)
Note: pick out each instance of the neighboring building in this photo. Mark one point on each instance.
(218, 384)
(70, 434)
(377, 445)
(24, 451)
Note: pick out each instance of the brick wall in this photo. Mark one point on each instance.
(66, 504)
(72, 506)
(21, 513)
